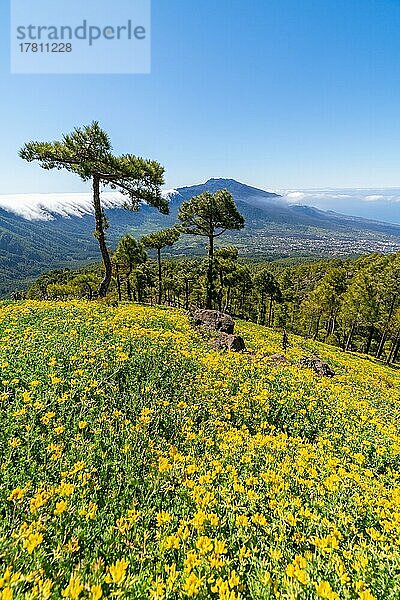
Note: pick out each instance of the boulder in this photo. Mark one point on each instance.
(228, 341)
(278, 359)
(317, 365)
(215, 320)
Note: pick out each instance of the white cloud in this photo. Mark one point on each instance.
(45, 207)
(374, 198)
(320, 196)
(295, 196)
(381, 204)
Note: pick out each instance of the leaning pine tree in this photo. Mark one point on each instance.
(87, 152)
(210, 215)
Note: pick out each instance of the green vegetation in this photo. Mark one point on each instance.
(137, 463)
(354, 304)
(157, 241)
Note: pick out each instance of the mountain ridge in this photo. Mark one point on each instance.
(55, 232)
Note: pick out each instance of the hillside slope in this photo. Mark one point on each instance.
(137, 462)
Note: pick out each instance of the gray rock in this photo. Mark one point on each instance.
(227, 341)
(278, 359)
(215, 320)
(317, 365)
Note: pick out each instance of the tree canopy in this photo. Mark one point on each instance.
(161, 239)
(210, 215)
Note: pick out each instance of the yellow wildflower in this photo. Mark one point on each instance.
(192, 585)
(242, 521)
(204, 544)
(324, 590)
(72, 546)
(73, 589)
(163, 517)
(16, 494)
(233, 579)
(116, 572)
(171, 541)
(32, 541)
(173, 575)
(157, 592)
(191, 561)
(60, 507)
(95, 592)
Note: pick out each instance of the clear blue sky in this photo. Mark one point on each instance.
(276, 93)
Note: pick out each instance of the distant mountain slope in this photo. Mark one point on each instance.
(379, 204)
(266, 207)
(39, 232)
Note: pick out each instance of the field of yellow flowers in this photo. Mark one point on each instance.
(138, 463)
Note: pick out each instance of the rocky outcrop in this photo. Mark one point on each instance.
(214, 320)
(319, 367)
(218, 329)
(227, 341)
(278, 360)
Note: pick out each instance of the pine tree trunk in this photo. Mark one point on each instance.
(90, 291)
(271, 304)
(242, 298)
(186, 294)
(101, 239)
(228, 299)
(221, 291)
(383, 339)
(333, 326)
(263, 310)
(317, 328)
(350, 338)
(210, 273)
(129, 289)
(159, 297)
(329, 326)
(381, 346)
(310, 328)
(396, 352)
(369, 340)
(392, 350)
(119, 285)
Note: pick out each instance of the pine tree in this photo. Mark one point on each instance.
(226, 264)
(157, 241)
(129, 254)
(210, 215)
(87, 152)
(268, 287)
(389, 295)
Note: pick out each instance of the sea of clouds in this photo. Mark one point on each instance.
(382, 204)
(45, 207)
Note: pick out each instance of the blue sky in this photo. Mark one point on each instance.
(275, 93)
